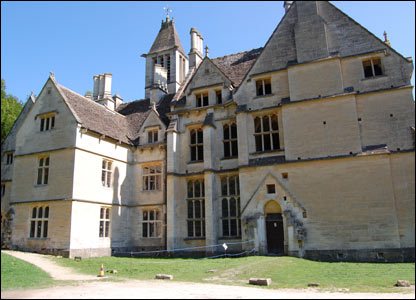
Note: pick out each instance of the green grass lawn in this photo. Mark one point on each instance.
(16, 273)
(285, 272)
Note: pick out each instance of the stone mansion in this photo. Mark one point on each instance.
(304, 147)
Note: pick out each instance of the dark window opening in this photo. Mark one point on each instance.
(271, 189)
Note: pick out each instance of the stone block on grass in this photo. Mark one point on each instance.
(164, 276)
(260, 281)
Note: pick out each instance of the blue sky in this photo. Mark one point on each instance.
(77, 40)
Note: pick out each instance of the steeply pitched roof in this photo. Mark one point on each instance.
(236, 66)
(167, 38)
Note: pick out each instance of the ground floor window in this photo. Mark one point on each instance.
(196, 208)
(151, 224)
(39, 222)
(104, 222)
(230, 206)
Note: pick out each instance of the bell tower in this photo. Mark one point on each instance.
(166, 63)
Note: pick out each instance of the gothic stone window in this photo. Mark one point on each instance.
(39, 222)
(263, 87)
(152, 136)
(372, 67)
(230, 140)
(106, 173)
(266, 133)
(230, 206)
(197, 145)
(152, 178)
(47, 123)
(196, 208)
(104, 227)
(43, 170)
(151, 224)
(201, 99)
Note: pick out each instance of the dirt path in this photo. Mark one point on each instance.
(157, 289)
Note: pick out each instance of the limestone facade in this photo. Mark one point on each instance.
(303, 147)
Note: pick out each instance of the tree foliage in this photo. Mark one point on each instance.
(10, 110)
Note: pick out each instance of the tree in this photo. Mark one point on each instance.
(10, 110)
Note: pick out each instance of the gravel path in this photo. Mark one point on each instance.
(159, 289)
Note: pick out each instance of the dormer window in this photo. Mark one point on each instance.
(152, 136)
(47, 123)
(218, 95)
(372, 67)
(263, 87)
(202, 99)
(9, 158)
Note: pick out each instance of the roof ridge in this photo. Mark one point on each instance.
(237, 53)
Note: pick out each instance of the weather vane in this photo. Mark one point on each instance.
(167, 11)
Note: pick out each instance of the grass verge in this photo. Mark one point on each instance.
(16, 273)
(285, 272)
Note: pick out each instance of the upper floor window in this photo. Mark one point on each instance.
(202, 99)
(196, 208)
(372, 67)
(152, 136)
(9, 158)
(152, 177)
(218, 95)
(104, 228)
(197, 145)
(263, 87)
(106, 172)
(266, 133)
(43, 170)
(230, 140)
(151, 224)
(47, 123)
(39, 222)
(230, 206)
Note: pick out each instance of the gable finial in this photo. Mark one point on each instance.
(386, 41)
(52, 75)
(206, 50)
(167, 11)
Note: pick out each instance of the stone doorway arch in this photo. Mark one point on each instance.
(274, 228)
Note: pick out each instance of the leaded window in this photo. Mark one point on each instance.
(197, 145)
(39, 222)
(43, 170)
(230, 206)
(196, 208)
(266, 133)
(106, 172)
(104, 228)
(151, 224)
(230, 140)
(152, 177)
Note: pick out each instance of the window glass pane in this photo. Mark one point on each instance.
(200, 152)
(146, 170)
(190, 228)
(200, 137)
(151, 229)
(233, 207)
(233, 131)
(193, 153)
(258, 143)
(107, 229)
(32, 228)
(203, 188)
(238, 185)
(190, 209)
(101, 229)
(225, 228)
(45, 175)
(266, 126)
(226, 132)
(224, 208)
(193, 137)
(259, 87)
(233, 227)
(53, 122)
(227, 149)
(40, 213)
(39, 229)
(144, 230)
(197, 189)
(42, 124)
(47, 124)
(198, 228)
(377, 67)
(190, 189)
(109, 165)
(267, 143)
(219, 97)
(47, 212)
(155, 136)
(47, 161)
(145, 215)
(34, 212)
(107, 213)
(267, 87)
(45, 229)
(102, 213)
(257, 125)
(104, 164)
(276, 142)
(234, 148)
(206, 100)
(41, 162)
(224, 186)
(151, 215)
(275, 124)
(203, 210)
(108, 183)
(231, 182)
(197, 209)
(149, 137)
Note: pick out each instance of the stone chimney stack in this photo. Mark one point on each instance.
(102, 86)
(287, 5)
(196, 53)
